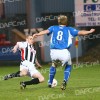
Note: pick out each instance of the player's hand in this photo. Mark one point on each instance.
(14, 50)
(39, 67)
(35, 35)
(92, 30)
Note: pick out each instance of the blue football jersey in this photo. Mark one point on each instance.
(61, 36)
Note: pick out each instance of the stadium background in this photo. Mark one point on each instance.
(18, 15)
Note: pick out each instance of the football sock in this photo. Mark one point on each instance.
(17, 74)
(33, 81)
(52, 74)
(67, 72)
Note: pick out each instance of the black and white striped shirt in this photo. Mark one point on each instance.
(27, 51)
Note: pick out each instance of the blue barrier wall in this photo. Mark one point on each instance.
(7, 54)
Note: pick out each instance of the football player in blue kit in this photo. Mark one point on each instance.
(61, 41)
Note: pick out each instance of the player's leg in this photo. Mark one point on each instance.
(12, 75)
(52, 72)
(23, 72)
(36, 78)
(23, 68)
(67, 72)
(67, 62)
(16, 74)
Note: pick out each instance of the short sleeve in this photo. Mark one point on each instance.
(50, 30)
(73, 31)
(20, 44)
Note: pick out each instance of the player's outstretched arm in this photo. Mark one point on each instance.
(15, 48)
(41, 33)
(84, 32)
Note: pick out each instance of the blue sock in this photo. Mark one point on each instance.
(51, 74)
(67, 72)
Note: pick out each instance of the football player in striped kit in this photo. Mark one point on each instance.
(27, 66)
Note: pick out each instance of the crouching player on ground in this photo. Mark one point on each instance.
(61, 41)
(17, 74)
(27, 66)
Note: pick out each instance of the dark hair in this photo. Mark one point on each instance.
(28, 35)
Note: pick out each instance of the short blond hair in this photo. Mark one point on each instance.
(62, 20)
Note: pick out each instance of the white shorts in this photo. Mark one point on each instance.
(29, 66)
(62, 55)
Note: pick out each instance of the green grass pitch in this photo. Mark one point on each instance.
(84, 84)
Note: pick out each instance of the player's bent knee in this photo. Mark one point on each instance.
(39, 76)
(41, 79)
(54, 64)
